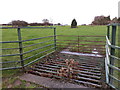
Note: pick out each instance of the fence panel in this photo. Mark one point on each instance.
(24, 51)
(82, 44)
(112, 59)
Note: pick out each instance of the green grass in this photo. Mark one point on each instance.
(11, 35)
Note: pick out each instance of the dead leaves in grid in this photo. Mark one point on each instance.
(68, 71)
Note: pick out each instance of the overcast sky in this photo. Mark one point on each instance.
(57, 11)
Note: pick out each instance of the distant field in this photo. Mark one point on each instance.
(11, 34)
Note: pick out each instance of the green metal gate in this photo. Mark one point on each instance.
(47, 43)
(112, 60)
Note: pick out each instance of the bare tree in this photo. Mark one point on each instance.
(45, 21)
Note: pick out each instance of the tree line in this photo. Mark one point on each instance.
(21, 23)
(98, 20)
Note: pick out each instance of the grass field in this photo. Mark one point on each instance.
(11, 35)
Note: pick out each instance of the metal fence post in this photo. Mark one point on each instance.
(78, 44)
(55, 38)
(20, 47)
(112, 51)
(118, 51)
(108, 32)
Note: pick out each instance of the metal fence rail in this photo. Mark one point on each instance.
(48, 47)
(82, 44)
(112, 70)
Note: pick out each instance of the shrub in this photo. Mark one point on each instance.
(73, 24)
(18, 23)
